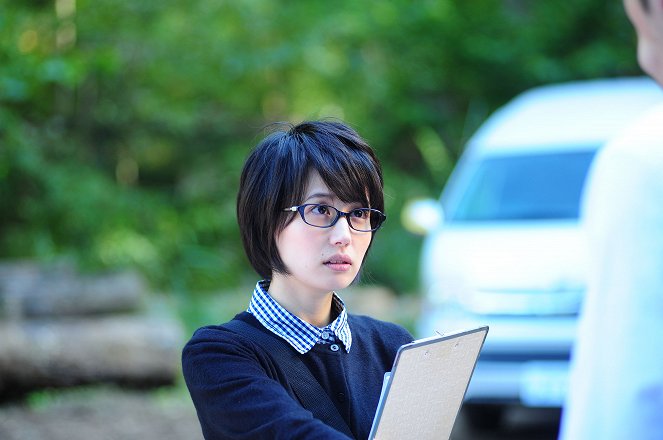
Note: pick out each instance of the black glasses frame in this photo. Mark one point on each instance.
(300, 208)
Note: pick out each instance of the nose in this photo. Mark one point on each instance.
(341, 234)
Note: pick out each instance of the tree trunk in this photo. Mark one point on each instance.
(136, 350)
(29, 290)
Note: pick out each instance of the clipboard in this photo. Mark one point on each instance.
(422, 395)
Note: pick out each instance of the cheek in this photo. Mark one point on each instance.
(286, 243)
(650, 58)
(297, 246)
(363, 243)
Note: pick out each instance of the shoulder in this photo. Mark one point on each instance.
(643, 138)
(628, 167)
(650, 123)
(221, 337)
(647, 122)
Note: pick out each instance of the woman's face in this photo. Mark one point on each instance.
(649, 27)
(320, 260)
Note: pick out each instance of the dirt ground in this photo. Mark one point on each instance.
(117, 414)
(101, 414)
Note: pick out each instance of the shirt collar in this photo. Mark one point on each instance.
(301, 335)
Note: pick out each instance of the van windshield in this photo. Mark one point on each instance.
(526, 187)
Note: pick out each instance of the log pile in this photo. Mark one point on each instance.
(61, 328)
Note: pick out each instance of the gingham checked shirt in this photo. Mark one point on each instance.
(301, 335)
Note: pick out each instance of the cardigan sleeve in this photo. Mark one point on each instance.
(236, 393)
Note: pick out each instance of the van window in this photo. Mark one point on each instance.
(543, 186)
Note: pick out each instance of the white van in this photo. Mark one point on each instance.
(509, 251)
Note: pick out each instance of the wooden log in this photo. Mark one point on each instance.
(136, 350)
(110, 293)
(29, 290)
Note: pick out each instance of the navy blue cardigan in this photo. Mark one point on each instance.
(240, 391)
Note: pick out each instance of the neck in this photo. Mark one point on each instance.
(310, 306)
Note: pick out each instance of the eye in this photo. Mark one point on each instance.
(320, 209)
(359, 213)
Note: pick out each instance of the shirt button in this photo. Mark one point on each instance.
(325, 335)
(334, 347)
(340, 397)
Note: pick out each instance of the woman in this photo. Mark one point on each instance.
(296, 364)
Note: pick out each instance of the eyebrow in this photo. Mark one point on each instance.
(320, 196)
(327, 196)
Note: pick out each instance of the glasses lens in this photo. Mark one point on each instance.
(365, 219)
(320, 215)
(323, 216)
(361, 219)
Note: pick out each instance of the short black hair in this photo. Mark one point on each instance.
(275, 177)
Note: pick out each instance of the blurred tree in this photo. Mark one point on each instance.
(124, 125)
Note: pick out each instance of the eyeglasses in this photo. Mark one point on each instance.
(325, 216)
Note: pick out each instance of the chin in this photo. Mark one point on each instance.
(342, 282)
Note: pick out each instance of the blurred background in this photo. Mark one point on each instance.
(123, 129)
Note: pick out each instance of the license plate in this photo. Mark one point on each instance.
(544, 384)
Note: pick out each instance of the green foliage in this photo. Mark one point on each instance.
(124, 125)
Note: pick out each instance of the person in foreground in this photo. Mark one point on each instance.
(297, 364)
(616, 385)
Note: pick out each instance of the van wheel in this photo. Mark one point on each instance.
(484, 417)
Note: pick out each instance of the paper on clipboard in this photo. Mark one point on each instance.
(422, 395)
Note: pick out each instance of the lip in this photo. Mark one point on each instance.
(339, 263)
